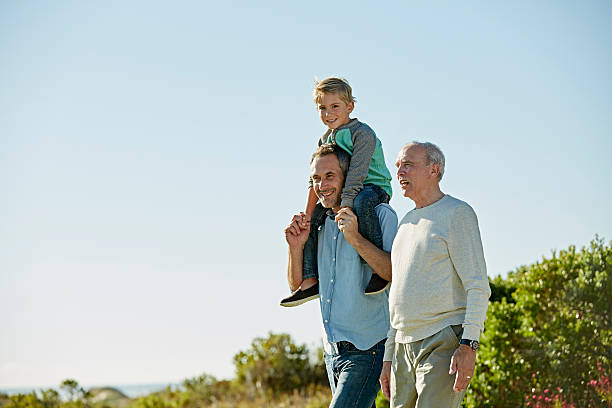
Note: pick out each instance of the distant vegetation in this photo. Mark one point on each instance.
(547, 343)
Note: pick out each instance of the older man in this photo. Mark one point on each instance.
(355, 325)
(440, 291)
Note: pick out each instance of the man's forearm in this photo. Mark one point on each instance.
(379, 260)
(294, 267)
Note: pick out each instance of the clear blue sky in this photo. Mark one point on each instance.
(152, 152)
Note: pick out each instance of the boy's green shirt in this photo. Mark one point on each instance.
(367, 159)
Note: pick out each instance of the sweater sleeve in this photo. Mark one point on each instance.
(364, 143)
(465, 250)
(390, 345)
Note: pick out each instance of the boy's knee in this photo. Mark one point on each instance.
(365, 199)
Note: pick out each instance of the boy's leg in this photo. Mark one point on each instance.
(369, 226)
(310, 291)
(310, 267)
(364, 207)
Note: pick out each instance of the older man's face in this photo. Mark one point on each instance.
(413, 174)
(327, 180)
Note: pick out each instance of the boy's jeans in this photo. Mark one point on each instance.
(353, 374)
(369, 225)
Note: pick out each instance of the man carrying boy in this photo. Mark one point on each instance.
(368, 183)
(355, 325)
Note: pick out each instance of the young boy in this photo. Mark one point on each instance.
(367, 184)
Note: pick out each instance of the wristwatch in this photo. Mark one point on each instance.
(472, 343)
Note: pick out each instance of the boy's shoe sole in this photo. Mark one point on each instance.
(301, 296)
(376, 285)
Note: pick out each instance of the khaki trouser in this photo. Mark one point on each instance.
(419, 372)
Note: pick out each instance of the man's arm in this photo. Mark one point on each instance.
(379, 260)
(465, 250)
(296, 238)
(385, 374)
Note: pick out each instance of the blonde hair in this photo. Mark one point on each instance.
(339, 86)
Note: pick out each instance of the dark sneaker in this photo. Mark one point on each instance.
(376, 285)
(301, 296)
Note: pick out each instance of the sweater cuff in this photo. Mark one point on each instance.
(471, 333)
(389, 345)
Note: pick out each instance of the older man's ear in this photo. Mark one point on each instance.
(435, 170)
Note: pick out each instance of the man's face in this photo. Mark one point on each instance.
(327, 180)
(413, 174)
(334, 112)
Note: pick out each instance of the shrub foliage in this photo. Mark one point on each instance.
(549, 329)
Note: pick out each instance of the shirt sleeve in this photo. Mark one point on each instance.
(390, 345)
(388, 224)
(364, 143)
(465, 250)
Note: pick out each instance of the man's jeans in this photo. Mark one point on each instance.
(353, 374)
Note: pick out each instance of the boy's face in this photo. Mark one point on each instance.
(334, 112)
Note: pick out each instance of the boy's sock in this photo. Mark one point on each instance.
(301, 296)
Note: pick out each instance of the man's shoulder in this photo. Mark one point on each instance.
(457, 206)
(385, 209)
(445, 209)
(386, 215)
(453, 202)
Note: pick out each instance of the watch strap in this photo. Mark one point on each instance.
(473, 344)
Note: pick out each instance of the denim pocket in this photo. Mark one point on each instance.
(351, 349)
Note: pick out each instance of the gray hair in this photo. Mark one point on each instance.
(433, 155)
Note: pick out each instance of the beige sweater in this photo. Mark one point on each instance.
(439, 274)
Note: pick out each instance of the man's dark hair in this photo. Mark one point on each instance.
(330, 148)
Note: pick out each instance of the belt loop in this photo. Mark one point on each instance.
(335, 348)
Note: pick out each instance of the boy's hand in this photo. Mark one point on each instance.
(295, 235)
(347, 223)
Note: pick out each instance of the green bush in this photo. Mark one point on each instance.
(552, 333)
(275, 365)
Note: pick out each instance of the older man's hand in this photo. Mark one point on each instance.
(463, 362)
(385, 379)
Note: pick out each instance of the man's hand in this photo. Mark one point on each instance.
(463, 362)
(347, 223)
(385, 379)
(296, 233)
